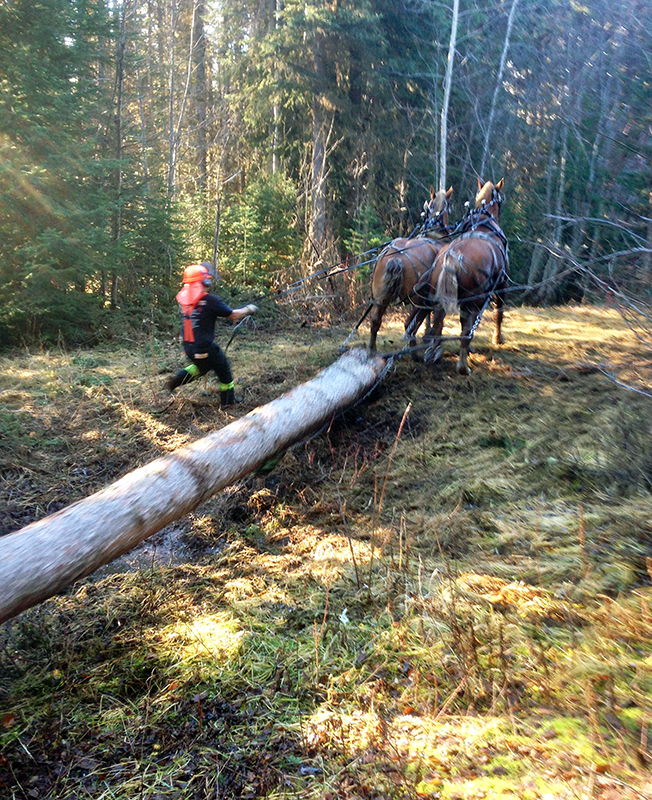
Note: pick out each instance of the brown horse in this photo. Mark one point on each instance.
(466, 274)
(403, 261)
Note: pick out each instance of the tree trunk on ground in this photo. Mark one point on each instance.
(43, 558)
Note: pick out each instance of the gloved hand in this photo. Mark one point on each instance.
(251, 308)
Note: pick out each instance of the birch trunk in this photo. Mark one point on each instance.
(447, 94)
(43, 558)
(499, 82)
(276, 8)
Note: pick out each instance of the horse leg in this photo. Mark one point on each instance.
(498, 319)
(376, 318)
(467, 319)
(436, 350)
(413, 323)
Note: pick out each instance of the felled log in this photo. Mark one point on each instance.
(44, 557)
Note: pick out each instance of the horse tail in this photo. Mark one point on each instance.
(392, 282)
(447, 287)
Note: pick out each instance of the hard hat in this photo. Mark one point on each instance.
(195, 273)
(196, 280)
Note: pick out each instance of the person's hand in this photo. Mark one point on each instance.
(251, 308)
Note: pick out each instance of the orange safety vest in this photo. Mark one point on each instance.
(188, 298)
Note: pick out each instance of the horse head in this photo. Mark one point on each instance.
(489, 198)
(437, 210)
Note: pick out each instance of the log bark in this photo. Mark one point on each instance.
(46, 556)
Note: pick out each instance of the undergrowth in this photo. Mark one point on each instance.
(461, 610)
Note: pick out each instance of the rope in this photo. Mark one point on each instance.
(327, 272)
(344, 344)
(245, 320)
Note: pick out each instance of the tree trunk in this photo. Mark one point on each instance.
(201, 95)
(171, 90)
(275, 11)
(447, 94)
(116, 224)
(645, 271)
(499, 83)
(318, 193)
(43, 558)
(143, 131)
(554, 263)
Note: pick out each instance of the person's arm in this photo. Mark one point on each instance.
(240, 313)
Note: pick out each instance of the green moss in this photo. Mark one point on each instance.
(631, 718)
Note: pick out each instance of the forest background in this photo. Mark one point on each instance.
(278, 137)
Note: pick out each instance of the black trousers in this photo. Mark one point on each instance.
(211, 358)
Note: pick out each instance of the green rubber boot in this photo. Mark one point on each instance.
(182, 376)
(227, 395)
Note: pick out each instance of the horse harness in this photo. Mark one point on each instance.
(431, 222)
(404, 251)
(468, 228)
(499, 253)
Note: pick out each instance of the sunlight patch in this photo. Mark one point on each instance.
(213, 636)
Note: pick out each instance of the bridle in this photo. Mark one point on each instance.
(482, 216)
(437, 221)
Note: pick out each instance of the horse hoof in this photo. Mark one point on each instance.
(434, 357)
(463, 369)
(499, 340)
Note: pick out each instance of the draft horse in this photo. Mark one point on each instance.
(466, 274)
(403, 262)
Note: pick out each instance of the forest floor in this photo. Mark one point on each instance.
(461, 611)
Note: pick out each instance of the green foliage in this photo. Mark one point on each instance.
(365, 233)
(258, 237)
(109, 185)
(67, 234)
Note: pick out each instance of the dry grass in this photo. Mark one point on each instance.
(487, 633)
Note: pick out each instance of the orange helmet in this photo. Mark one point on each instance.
(196, 272)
